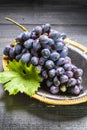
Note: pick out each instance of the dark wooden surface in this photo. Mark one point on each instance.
(20, 112)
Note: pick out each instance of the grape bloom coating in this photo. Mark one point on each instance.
(45, 48)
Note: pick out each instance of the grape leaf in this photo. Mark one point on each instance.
(20, 78)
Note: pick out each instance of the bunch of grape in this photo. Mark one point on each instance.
(45, 48)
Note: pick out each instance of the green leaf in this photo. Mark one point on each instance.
(20, 78)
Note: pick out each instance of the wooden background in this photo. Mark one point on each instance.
(20, 112)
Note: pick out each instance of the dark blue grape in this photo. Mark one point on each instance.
(44, 74)
(28, 44)
(69, 74)
(51, 73)
(11, 53)
(48, 83)
(63, 78)
(6, 50)
(75, 90)
(45, 53)
(18, 48)
(54, 56)
(46, 28)
(34, 60)
(68, 67)
(43, 39)
(42, 61)
(63, 35)
(24, 50)
(64, 52)
(26, 36)
(39, 67)
(18, 57)
(25, 57)
(61, 61)
(78, 73)
(80, 87)
(49, 64)
(67, 60)
(79, 80)
(33, 35)
(54, 89)
(56, 81)
(54, 35)
(38, 30)
(36, 45)
(60, 71)
(72, 82)
(51, 42)
(59, 46)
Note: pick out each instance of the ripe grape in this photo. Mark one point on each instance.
(6, 50)
(54, 56)
(54, 35)
(64, 52)
(12, 53)
(25, 57)
(64, 79)
(44, 74)
(48, 83)
(56, 81)
(69, 74)
(43, 39)
(38, 30)
(46, 28)
(54, 89)
(67, 67)
(78, 73)
(34, 60)
(49, 64)
(51, 73)
(42, 61)
(75, 90)
(60, 71)
(45, 53)
(59, 46)
(61, 61)
(28, 44)
(72, 82)
(18, 48)
(63, 35)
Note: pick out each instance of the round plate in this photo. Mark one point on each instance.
(78, 55)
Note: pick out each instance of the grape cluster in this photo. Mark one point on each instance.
(44, 48)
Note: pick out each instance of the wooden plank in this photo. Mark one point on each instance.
(54, 14)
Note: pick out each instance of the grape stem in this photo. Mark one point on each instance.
(16, 23)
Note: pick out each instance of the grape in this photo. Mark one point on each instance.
(78, 73)
(33, 35)
(67, 60)
(26, 36)
(44, 74)
(61, 61)
(54, 35)
(28, 44)
(18, 57)
(6, 50)
(39, 67)
(56, 81)
(34, 60)
(51, 73)
(36, 45)
(54, 89)
(59, 46)
(48, 83)
(45, 53)
(64, 52)
(38, 30)
(51, 42)
(80, 87)
(24, 50)
(54, 56)
(72, 82)
(63, 35)
(20, 37)
(64, 79)
(49, 64)
(25, 57)
(46, 28)
(67, 67)
(75, 90)
(60, 71)
(43, 39)
(42, 61)
(69, 74)
(12, 53)
(18, 48)
(79, 80)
